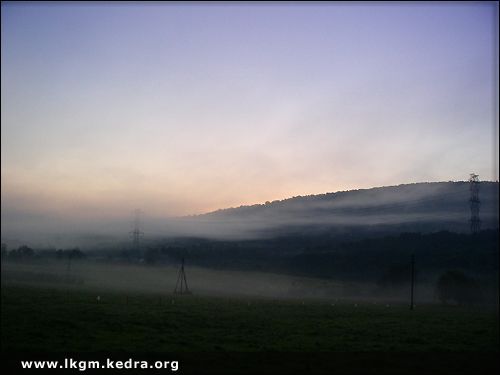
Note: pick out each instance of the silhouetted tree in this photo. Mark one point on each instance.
(396, 275)
(76, 253)
(454, 285)
(23, 252)
(151, 255)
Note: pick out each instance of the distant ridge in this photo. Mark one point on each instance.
(426, 206)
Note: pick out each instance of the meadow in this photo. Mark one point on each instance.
(74, 320)
(132, 309)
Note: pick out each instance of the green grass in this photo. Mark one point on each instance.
(57, 320)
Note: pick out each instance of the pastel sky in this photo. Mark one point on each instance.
(185, 108)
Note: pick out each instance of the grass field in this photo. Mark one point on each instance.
(35, 319)
(228, 335)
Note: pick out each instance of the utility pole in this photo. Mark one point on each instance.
(136, 232)
(412, 280)
(68, 267)
(181, 287)
(475, 203)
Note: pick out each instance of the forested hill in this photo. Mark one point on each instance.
(424, 207)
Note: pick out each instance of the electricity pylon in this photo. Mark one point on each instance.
(181, 287)
(475, 203)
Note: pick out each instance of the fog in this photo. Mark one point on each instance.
(444, 206)
(131, 279)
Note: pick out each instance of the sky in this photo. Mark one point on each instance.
(182, 109)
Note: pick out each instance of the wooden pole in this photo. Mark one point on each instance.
(412, 280)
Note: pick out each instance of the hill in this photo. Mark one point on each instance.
(424, 207)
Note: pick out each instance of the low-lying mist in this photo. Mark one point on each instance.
(424, 207)
(130, 279)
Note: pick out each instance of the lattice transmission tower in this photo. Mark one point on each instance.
(475, 203)
(181, 287)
